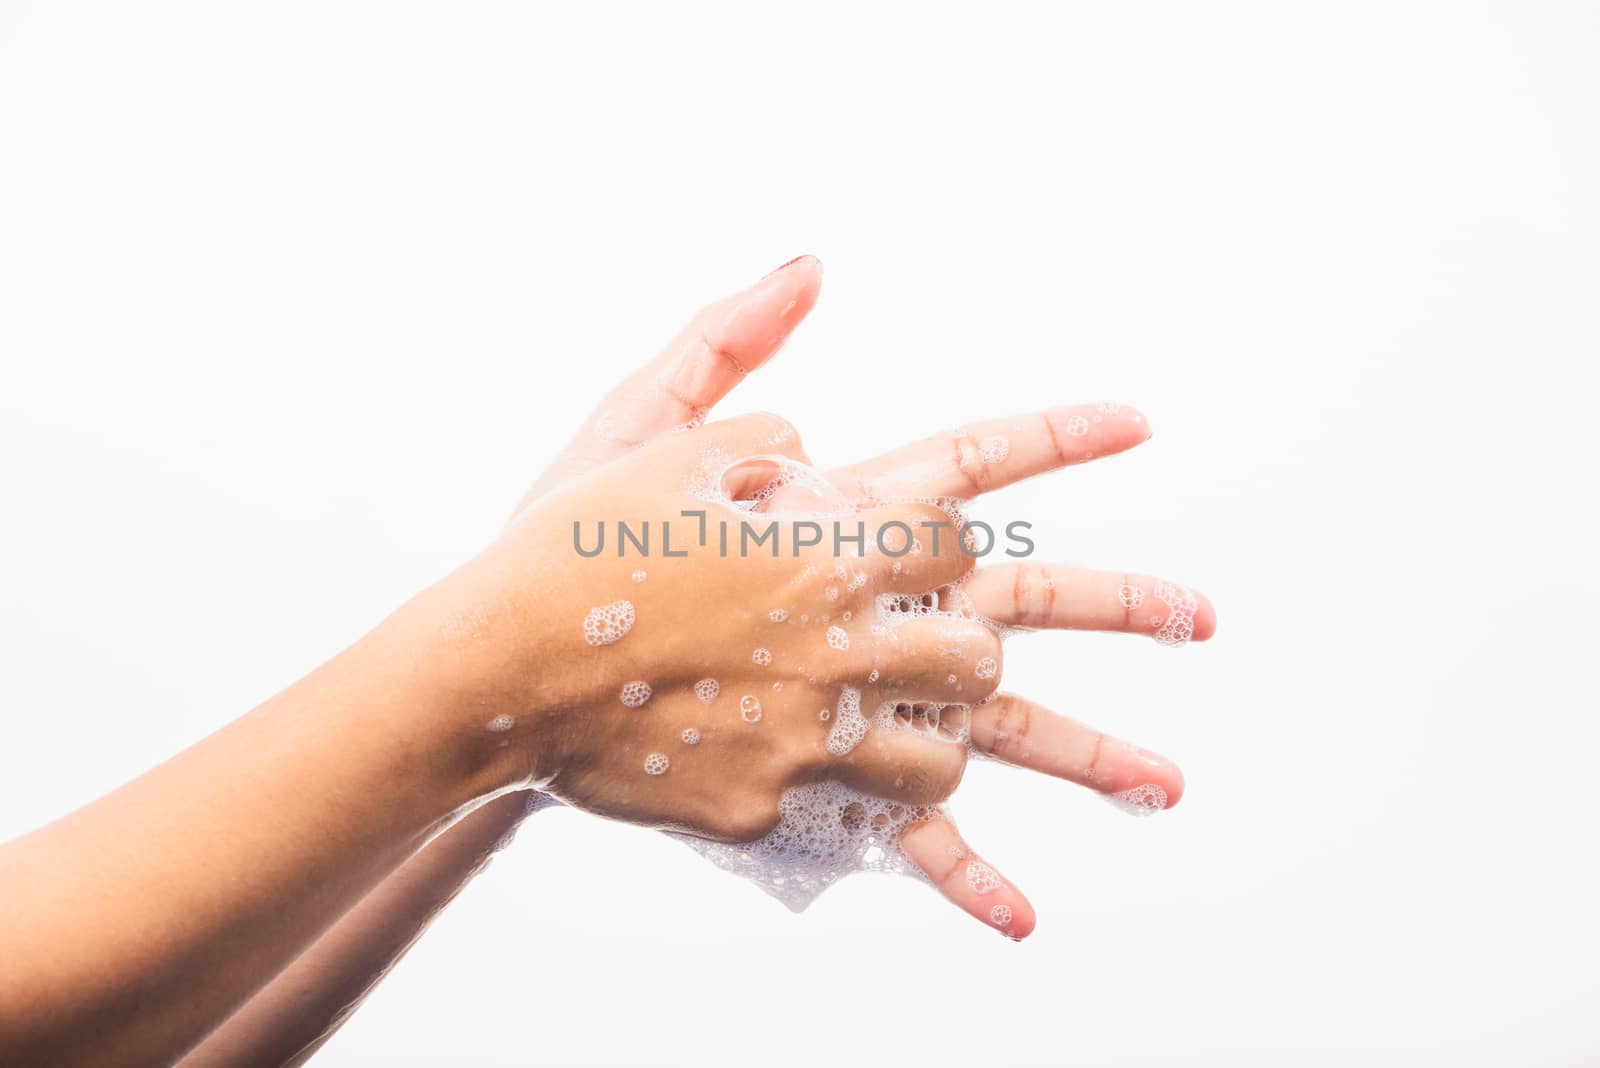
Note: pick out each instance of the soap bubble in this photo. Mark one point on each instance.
(994, 450)
(608, 623)
(1179, 625)
(981, 878)
(849, 725)
(1144, 800)
(825, 831)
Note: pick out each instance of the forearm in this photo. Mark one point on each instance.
(299, 1010)
(230, 859)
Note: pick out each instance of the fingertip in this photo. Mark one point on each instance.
(1174, 785)
(1138, 423)
(1085, 432)
(1140, 781)
(747, 329)
(1205, 617)
(1012, 915)
(803, 262)
(789, 292)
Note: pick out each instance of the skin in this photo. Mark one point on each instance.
(278, 848)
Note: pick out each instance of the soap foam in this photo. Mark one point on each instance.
(608, 623)
(1144, 800)
(1178, 627)
(825, 831)
(635, 694)
(945, 722)
(982, 879)
(849, 725)
(994, 450)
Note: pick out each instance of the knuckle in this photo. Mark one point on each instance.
(937, 774)
(987, 645)
(858, 483)
(1033, 593)
(955, 769)
(1055, 434)
(1093, 772)
(968, 460)
(1010, 722)
(952, 859)
(776, 431)
(721, 353)
(748, 821)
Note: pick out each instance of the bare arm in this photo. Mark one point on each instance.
(228, 860)
(298, 1011)
(292, 1016)
(146, 919)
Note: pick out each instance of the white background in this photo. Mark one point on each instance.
(295, 299)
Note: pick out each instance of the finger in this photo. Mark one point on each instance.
(760, 434)
(933, 658)
(1058, 597)
(910, 548)
(778, 485)
(905, 765)
(708, 358)
(989, 455)
(735, 336)
(936, 848)
(1030, 736)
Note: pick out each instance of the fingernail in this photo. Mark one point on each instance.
(791, 263)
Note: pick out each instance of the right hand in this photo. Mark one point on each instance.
(739, 334)
(689, 692)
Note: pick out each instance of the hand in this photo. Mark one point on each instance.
(691, 375)
(689, 692)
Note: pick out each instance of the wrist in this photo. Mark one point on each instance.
(499, 708)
